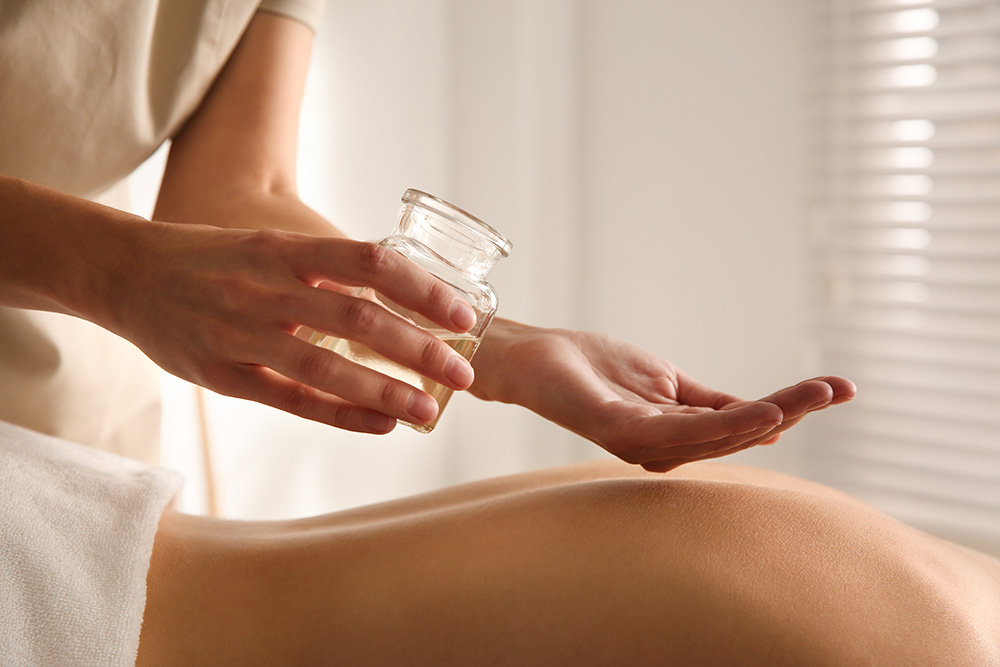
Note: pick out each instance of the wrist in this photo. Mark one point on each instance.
(57, 251)
(491, 361)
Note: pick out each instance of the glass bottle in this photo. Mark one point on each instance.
(458, 248)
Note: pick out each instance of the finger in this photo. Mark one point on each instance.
(775, 435)
(687, 434)
(843, 389)
(684, 428)
(263, 385)
(330, 373)
(366, 322)
(716, 449)
(798, 398)
(797, 404)
(796, 401)
(692, 392)
(389, 273)
(801, 398)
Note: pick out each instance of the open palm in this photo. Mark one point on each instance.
(639, 406)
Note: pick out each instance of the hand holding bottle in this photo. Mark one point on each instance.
(453, 245)
(221, 308)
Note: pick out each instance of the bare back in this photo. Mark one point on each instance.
(596, 564)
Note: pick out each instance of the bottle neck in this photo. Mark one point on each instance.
(465, 243)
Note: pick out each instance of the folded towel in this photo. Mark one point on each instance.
(76, 535)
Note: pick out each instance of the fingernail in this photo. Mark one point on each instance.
(377, 422)
(459, 371)
(422, 408)
(462, 315)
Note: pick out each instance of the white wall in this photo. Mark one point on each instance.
(692, 167)
(644, 157)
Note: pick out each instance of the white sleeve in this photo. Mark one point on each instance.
(307, 11)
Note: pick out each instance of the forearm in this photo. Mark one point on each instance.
(58, 252)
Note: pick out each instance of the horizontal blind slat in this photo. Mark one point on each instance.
(904, 231)
(870, 7)
(964, 439)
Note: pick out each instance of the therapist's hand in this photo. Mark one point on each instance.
(221, 307)
(631, 402)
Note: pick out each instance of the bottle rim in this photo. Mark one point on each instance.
(460, 216)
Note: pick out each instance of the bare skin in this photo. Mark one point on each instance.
(598, 563)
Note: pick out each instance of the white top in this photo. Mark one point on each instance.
(86, 95)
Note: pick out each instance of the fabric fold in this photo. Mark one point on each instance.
(76, 535)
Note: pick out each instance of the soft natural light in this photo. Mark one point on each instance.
(907, 48)
(896, 158)
(904, 318)
(884, 104)
(907, 265)
(914, 130)
(908, 211)
(914, 48)
(910, 158)
(906, 292)
(908, 239)
(900, 22)
(916, 184)
(911, 76)
(915, 20)
(911, 121)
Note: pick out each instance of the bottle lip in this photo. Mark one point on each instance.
(461, 216)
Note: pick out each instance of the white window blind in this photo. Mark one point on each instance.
(905, 233)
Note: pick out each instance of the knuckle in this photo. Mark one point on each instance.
(267, 238)
(361, 314)
(295, 400)
(430, 350)
(439, 293)
(269, 242)
(374, 258)
(317, 363)
(342, 415)
(389, 393)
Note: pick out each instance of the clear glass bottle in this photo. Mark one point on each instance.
(458, 248)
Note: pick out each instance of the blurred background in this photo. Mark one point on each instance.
(759, 192)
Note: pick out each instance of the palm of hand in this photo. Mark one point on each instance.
(644, 409)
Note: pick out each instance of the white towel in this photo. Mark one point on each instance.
(76, 535)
